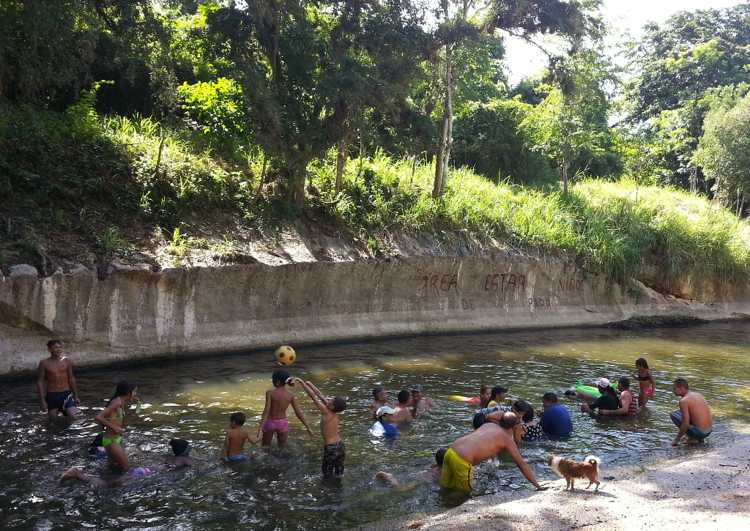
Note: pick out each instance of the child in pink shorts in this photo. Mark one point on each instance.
(274, 419)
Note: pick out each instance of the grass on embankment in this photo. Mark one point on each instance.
(96, 178)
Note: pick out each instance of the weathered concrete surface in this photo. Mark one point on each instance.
(136, 313)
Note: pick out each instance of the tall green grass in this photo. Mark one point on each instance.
(612, 227)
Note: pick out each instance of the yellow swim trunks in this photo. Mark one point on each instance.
(457, 473)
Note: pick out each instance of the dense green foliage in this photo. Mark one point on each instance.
(163, 115)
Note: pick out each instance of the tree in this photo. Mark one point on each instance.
(724, 151)
(308, 67)
(524, 18)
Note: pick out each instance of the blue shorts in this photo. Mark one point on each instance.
(693, 432)
(236, 458)
(60, 400)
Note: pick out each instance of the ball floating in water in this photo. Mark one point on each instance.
(285, 355)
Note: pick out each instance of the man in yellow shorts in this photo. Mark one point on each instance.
(493, 436)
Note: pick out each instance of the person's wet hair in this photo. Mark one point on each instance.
(478, 420)
(180, 447)
(440, 456)
(53, 342)
(624, 382)
(498, 390)
(403, 396)
(377, 390)
(280, 377)
(508, 420)
(525, 408)
(682, 382)
(338, 404)
(122, 388)
(641, 362)
(549, 397)
(237, 418)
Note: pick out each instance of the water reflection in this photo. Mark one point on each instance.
(192, 399)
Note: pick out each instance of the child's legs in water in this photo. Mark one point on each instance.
(281, 438)
(267, 438)
(117, 455)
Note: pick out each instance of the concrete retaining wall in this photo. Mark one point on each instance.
(137, 314)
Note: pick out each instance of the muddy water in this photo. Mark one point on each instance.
(282, 490)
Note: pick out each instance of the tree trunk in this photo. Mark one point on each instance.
(297, 177)
(564, 171)
(446, 140)
(340, 163)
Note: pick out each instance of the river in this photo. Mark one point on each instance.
(193, 398)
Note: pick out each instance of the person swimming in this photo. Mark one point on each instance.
(383, 426)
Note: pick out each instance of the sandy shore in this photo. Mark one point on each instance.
(709, 488)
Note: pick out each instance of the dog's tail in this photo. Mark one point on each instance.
(593, 460)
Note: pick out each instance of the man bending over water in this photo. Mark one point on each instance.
(56, 383)
(486, 442)
(694, 416)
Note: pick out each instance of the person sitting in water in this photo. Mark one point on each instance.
(379, 399)
(608, 399)
(555, 418)
(486, 442)
(274, 419)
(334, 452)
(112, 418)
(528, 429)
(430, 475)
(419, 402)
(403, 412)
(383, 426)
(628, 402)
(235, 439)
(56, 384)
(645, 381)
(181, 451)
(498, 398)
(694, 417)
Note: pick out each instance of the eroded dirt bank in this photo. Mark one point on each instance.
(708, 488)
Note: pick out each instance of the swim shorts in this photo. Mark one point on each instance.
(60, 400)
(276, 425)
(333, 460)
(693, 431)
(237, 458)
(106, 441)
(457, 473)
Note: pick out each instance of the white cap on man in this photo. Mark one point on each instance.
(603, 383)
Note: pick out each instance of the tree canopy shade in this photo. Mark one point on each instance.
(308, 68)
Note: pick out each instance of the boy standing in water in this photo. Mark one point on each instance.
(334, 452)
(274, 419)
(235, 439)
(56, 383)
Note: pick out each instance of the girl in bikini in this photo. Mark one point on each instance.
(645, 381)
(112, 419)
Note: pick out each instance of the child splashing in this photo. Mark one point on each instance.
(274, 419)
(645, 381)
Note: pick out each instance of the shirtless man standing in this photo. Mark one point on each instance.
(56, 383)
(486, 442)
(694, 417)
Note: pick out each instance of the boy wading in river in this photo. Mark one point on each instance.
(333, 449)
(274, 419)
(56, 383)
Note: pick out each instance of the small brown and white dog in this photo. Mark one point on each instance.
(571, 470)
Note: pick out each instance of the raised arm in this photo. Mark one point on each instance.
(317, 391)
(300, 414)
(41, 385)
(316, 397)
(524, 467)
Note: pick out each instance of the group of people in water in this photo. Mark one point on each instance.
(500, 426)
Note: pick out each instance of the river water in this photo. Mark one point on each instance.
(282, 490)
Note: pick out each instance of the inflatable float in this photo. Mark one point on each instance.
(587, 390)
(465, 399)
